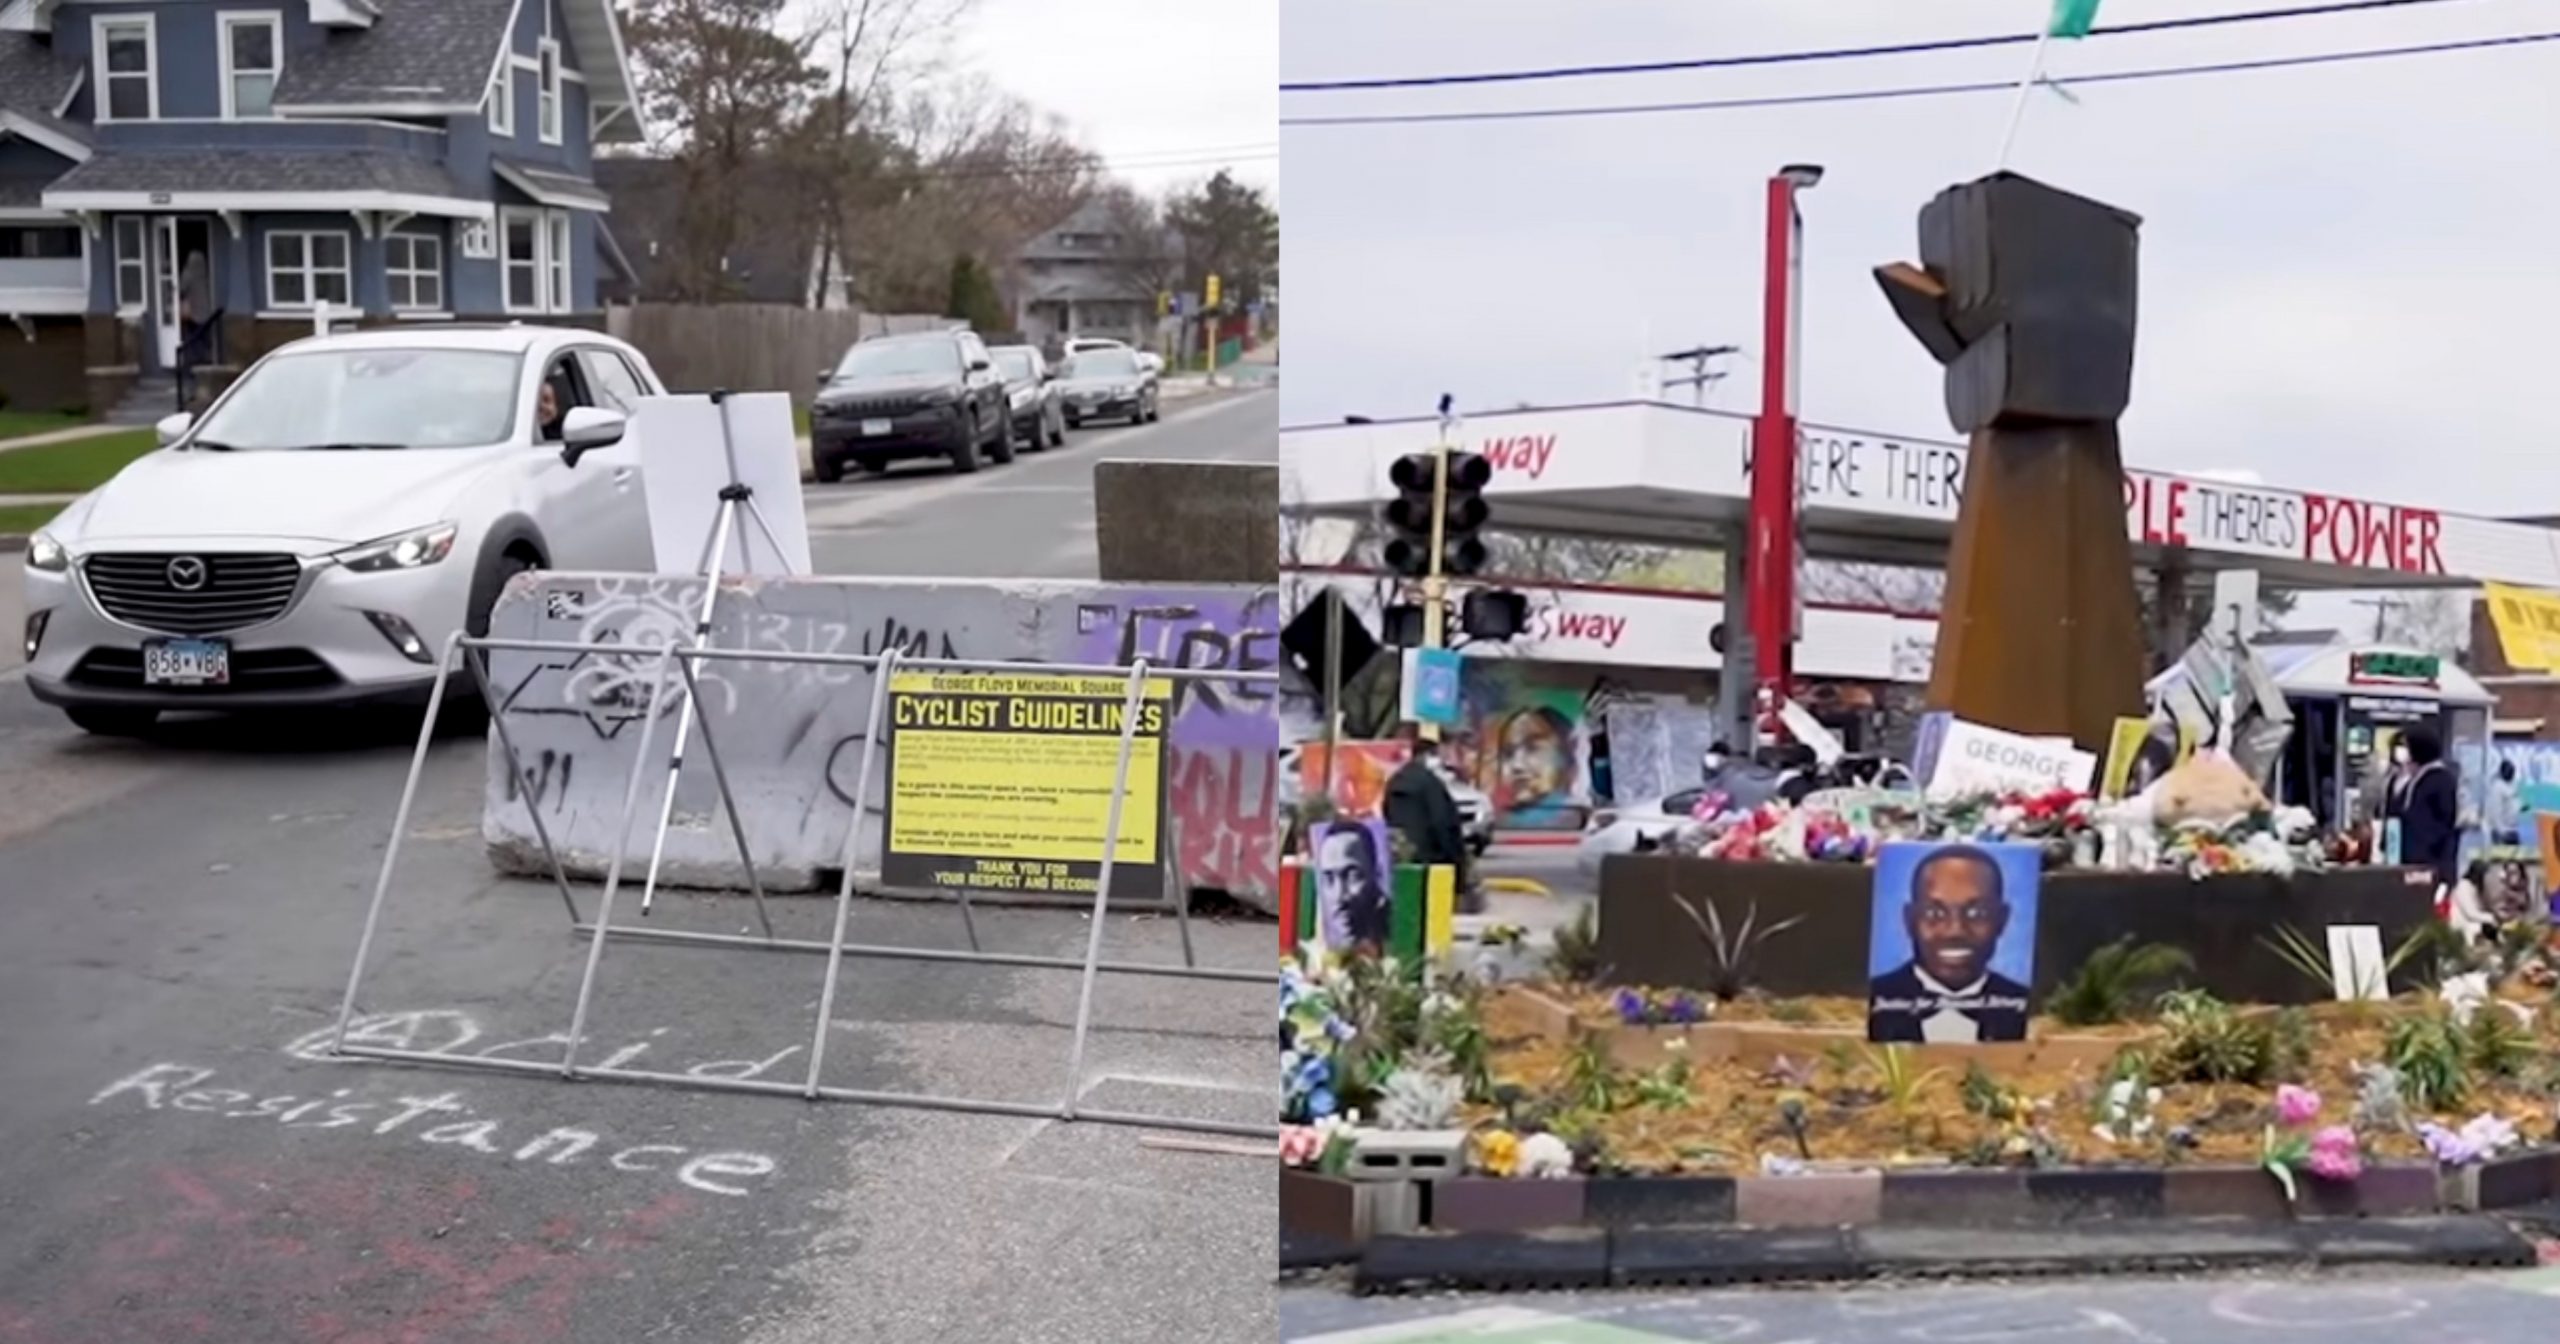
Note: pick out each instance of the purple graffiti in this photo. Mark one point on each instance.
(1235, 633)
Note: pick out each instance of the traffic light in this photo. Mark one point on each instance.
(1408, 515)
(1210, 299)
(1493, 614)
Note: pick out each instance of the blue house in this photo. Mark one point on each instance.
(191, 182)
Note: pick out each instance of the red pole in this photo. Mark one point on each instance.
(1771, 549)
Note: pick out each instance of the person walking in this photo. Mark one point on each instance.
(1418, 807)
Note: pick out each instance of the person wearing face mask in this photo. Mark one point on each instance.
(2430, 831)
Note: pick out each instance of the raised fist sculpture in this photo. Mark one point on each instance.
(2026, 294)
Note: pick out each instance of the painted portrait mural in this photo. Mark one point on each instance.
(1523, 743)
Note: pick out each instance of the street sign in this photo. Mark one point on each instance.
(1429, 688)
(1186, 303)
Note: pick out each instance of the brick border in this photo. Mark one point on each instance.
(1588, 1257)
(1349, 1212)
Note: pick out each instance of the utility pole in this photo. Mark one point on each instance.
(1700, 376)
(2382, 606)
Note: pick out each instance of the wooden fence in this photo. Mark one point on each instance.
(751, 347)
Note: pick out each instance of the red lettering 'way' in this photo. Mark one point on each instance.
(1527, 454)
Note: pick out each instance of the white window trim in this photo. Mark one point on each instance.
(310, 269)
(99, 24)
(551, 100)
(502, 102)
(560, 235)
(139, 260)
(273, 21)
(508, 216)
(414, 274)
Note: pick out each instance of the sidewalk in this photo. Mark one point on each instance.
(67, 435)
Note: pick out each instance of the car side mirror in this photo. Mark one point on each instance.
(979, 366)
(826, 376)
(171, 428)
(1048, 375)
(587, 428)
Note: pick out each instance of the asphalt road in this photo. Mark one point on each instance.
(176, 920)
(1031, 519)
(2515, 1308)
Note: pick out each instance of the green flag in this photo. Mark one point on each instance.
(2072, 18)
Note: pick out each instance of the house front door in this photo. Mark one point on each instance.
(164, 288)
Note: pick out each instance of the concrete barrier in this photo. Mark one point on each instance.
(790, 735)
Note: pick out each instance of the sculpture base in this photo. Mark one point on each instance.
(2041, 630)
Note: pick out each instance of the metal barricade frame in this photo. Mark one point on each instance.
(682, 661)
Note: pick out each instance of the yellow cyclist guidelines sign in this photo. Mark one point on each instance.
(1001, 781)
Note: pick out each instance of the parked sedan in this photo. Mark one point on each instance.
(1039, 405)
(1636, 827)
(1108, 383)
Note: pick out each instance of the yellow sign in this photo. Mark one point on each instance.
(1001, 781)
(2528, 624)
(2139, 752)
(1210, 299)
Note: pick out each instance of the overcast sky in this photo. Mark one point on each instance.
(2348, 272)
(1165, 90)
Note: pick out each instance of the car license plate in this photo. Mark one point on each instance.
(875, 428)
(186, 662)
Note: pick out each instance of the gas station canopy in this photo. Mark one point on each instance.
(1676, 475)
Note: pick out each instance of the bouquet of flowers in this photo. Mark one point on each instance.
(1312, 1033)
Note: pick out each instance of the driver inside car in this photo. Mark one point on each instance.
(547, 404)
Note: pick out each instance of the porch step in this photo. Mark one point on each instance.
(146, 402)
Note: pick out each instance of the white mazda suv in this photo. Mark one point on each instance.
(341, 509)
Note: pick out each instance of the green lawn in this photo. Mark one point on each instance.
(800, 418)
(72, 466)
(20, 424)
(17, 520)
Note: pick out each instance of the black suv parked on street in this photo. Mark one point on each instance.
(929, 394)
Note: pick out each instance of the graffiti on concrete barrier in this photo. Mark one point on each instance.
(646, 613)
(911, 641)
(543, 780)
(1241, 636)
(1226, 822)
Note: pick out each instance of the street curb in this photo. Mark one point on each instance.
(10, 541)
(1724, 1256)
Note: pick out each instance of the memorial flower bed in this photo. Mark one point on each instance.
(2134, 1072)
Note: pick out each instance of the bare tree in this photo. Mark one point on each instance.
(724, 82)
(1858, 584)
(1143, 260)
(979, 172)
(870, 46)
(2437, 620)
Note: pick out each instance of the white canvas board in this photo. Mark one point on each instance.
(2356, 962)
(684, 469)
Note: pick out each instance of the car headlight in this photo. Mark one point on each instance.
(47, 554)
(409, 550)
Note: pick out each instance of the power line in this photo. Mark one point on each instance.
(1837, 53)
(1920, 90)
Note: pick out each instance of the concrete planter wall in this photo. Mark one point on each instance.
(1947, 1197)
